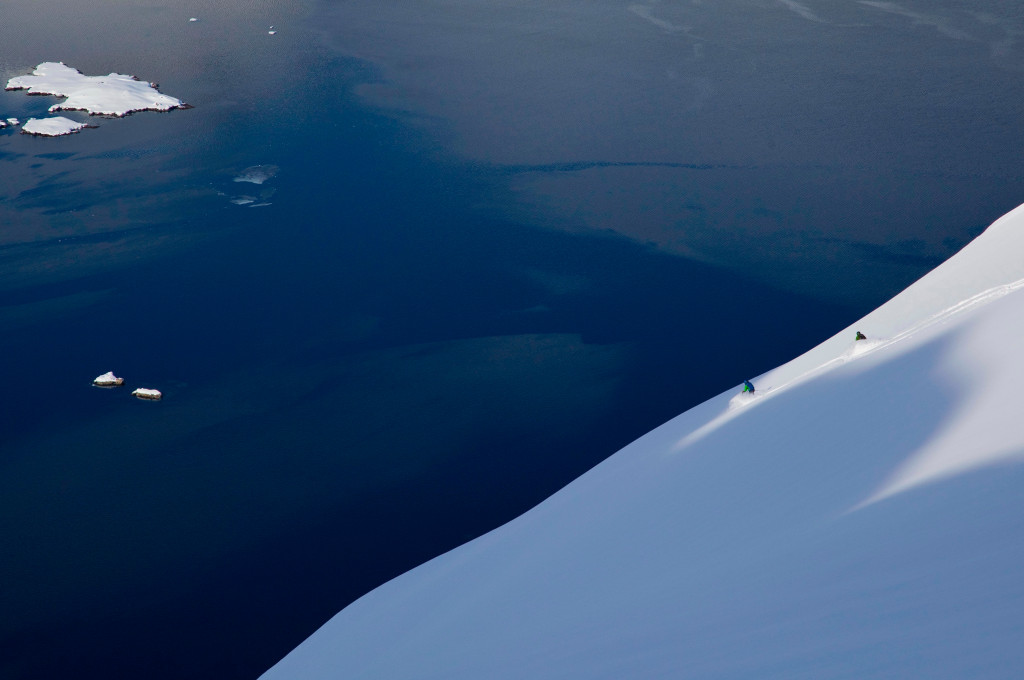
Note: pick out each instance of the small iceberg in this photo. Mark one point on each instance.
(52, 127)
(13, 121)
(108, 379)
(148, 394)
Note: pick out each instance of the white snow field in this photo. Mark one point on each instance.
(862, 516)
(110, 95)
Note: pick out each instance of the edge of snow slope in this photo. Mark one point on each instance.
(858, 518)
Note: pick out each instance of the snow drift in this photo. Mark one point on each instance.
(860, 517)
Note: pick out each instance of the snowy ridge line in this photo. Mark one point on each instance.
(856, 351)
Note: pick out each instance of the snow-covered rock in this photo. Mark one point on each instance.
(110, 95)
(52, 127)
(858, 517)
(108, 379)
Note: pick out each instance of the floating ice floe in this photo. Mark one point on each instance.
(111, 95)
(13, 121)
(243, 200)
(52, 127)
(257, 174)
(108, 379)
(146, 393)
(193, 19)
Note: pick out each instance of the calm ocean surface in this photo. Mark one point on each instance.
(389, 359)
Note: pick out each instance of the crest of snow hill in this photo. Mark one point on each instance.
(114, 95)
(859, 517)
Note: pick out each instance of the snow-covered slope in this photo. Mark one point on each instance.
(860, 517)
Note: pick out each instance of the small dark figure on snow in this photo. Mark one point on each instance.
(748, 386)
(860, 336)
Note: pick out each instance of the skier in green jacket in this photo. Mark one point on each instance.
(748, 386)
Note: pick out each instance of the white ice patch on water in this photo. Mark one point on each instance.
(110, 95)
(257, 174)
(243, 200)
(13, 121)
(51, 127)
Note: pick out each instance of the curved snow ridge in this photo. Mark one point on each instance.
(984, 368)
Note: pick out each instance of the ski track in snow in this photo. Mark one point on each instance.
(858, 350)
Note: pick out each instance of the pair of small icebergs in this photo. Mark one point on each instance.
(108, 379)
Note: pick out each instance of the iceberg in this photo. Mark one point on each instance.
(108, 379)
(110, 95)
(147, 394)
(857, 517)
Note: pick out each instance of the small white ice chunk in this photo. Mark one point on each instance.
(13, 121)
(51, 127)
(108, 379)
(193, 19)
(271, 32)
(111, 95)
(146, 393)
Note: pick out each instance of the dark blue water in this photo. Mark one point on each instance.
(378, 366)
